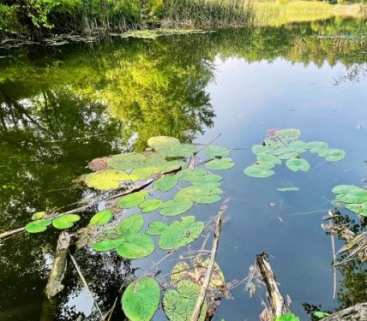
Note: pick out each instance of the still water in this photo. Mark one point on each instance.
(61, 107)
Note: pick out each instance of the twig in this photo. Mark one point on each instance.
(12, 232)
(201, 298)
(85, 284)
(332, 238)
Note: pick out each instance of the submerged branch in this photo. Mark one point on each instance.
(357, 312)
(11, 232)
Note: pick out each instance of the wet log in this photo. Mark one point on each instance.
(276, 304)
(357, 312)
(54, 284)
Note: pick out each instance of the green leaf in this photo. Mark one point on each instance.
(132, 224)
(127, 161)
(353, 197)
(107, 179)
(101, 218)
(268, 161)
(150, 205)
(258, 171)
(175, 207)
(197, 193)
(165, 183)
(143, 173)
(259, 149)
(141, 299)
(38, 215)
(180, 233)
(179, 304)
(107, 245)
(359, 209)
(198, 176)
(344, 189)
(135, 246)
(288, 134)
(65, 221)
(37, 226)
(156, 228)
(298, 146)
(214, 151)
(288, 189)
(132, 200)
(160, 142)
(335, 155)
(317, 147)
(220, 164)
(298, 164)
(287, 317)
(320, 314)
(178, 150)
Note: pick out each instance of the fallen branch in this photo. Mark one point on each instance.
(54, 284)
(357, 312)
(201, 298)
(12, 232)
(277, 305)
(85, 284)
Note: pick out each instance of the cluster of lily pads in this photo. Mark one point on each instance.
(352, 197)
(284, 145)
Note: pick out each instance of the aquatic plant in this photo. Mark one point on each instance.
(284, 145)
(352, 197)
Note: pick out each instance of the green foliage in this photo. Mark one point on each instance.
(141, 299)
(65, 221)
(38, 215)
(354, 198)
(37, 226)
(165, 183)
(106, 179)
(298, 164)
(287, 317)
(175, 207)
(132, 200)
(132, 224)
(258, 171)
(150, 205)
(220, 164)
(320, 314)
(288, 189)
(214, 151)
(178, 304)
(101, 218)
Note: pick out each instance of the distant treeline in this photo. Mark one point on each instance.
(39, 18)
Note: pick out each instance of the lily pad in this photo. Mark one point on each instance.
(141, 299)
(175, 207)
(214, 151)
(288, 134)
(353, 197)
(180, 233)
(132, 200)
(132, 224)
(165, 183)
(268, 161)
(335, 155)
(107, 179)
(126, 161)
(198, 193)
(287, 317)
(258, 171)
(38, 215)
(298, 164)
(101, 218)
(150, 205)
(37, 226)
(344, 189)
(298, 146)
(260, 149)
(156, 228)
(220, 164)
(198, 176)
(65, 221)
(107, 245)
(161, 142)
(178, 150)
(288, 189)
(317, 147)
(135, 246)
(179, 304)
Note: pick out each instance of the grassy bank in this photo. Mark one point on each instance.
(277, 13)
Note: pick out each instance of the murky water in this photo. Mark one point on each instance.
(62, 107)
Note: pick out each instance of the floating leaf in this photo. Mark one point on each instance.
(179, 304)
(288, 134)
(165, 183)
(126, 161)
(132, 200)
(320, 314)
(175, 207)
(353, 197)
(160, 142)
(107, 179)
(180, 233)
(298, 164)
(199, 176)
(101, 218)
(288, 189)
(65, 221)
(143, 173)
(141, 299)
(156, 228)
(213, 151)
(37, 226)
(344, 189)
(38, 215)
(135, 246)
(268, 161)
(287, 317)
(198, 193)
(178, 150)
(132, 224)
(335, 155)
(298, 146)
(107, 245)
(220, 164)
(150, 205)
(360, 209)
(259, 149)
(258, 171)
(317, 147)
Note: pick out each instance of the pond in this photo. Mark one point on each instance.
(64, 106)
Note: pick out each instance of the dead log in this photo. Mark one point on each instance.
(54, 284)
(357, 312)
(276, 304)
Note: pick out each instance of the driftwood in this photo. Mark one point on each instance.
(10, 233)
(276, 304)
(54, 284)
(201, 298)
(357, 312)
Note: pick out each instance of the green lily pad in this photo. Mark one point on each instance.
(156, 228)
(143, 173)
(198, 176)
(179, 304)
(161, 142)
(260, 149)
(165, 183)
(320, 314)
(317, 147)
(107, 179)
(197, 193)
(180, 233)
(298, 146)
(135, 246)
(38, 215)
(268, 161)
(107, 245)
(287, 317)
(175, 207)
(126, 161)
(359, 209)
(220, 164)
(37, 226)
(132, 224)
(132, 200)
(344, 189)
(214, 151)
(178, 150)
(150, 205)
(101, 218)
(65, 221)
(335, 155)
(289, 154)
(298, 164)
(353, 197)
(258, 171)
(141, 299)
(288, 134)
(288, 189)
